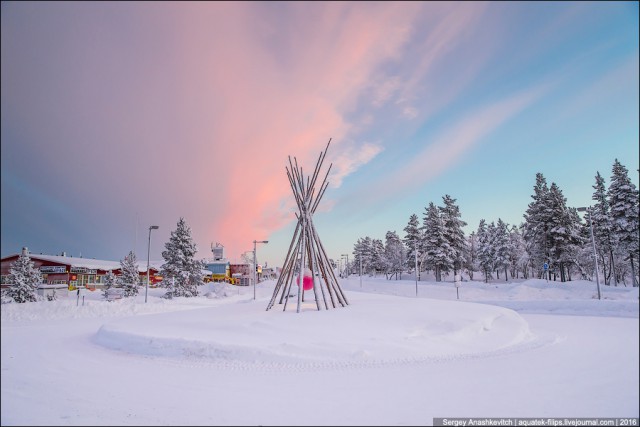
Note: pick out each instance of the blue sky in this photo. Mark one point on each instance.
(117, 114)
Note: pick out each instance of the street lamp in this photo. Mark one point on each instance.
(593, 242)
(416, 261)
(146, 287)
(360, 256)
(255, 266)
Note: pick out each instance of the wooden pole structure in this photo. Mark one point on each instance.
(306, 249)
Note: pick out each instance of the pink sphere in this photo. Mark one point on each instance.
(307, 280)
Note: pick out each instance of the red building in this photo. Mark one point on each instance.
(75, 271)
(240, 273)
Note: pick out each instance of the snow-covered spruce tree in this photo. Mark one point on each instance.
(600, 216)
(501, 244)
(413, 241)
(623, 201)
(362, 253)
(518, 256)
(367, 256)
(181, 273)
(129, 278)
(110, 281)
(471, 257)
(394, 254)
(437, 250)
(454, 235)
(25, 279)
(378, 260)
(485, 248)
(536, 230)
(563, 229)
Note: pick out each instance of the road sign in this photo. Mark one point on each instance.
(545, 266)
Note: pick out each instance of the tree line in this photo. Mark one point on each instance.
(553, 241)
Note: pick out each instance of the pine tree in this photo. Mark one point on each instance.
(412, 241)
(600, 217)
(362, 251)
(129, 278)
(486, 249)
(563, 232)
(537, 220)
(518, 256)
(378, 261)
(394, 254)
(437, 251)
(454, 235)
(181, 273)
(501, 243)
(367, 256)
(110, 281)
(471, 256)
(623, 201)
(25, 278)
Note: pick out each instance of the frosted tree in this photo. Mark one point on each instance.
(25, 278)
(394, 255)
(129, 278)
(623, 201)
(486, 248)
(471, 256)
(378, 261)
(362, 252)
(518, 256)
(454, 235)
(600, 216)
(413, 241)
(110, 280)
(181, 273)
(563, 226)
(367, 256)
(436, 247)
(536, 231)
(501, 244)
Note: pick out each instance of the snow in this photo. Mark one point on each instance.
(92, 264)
(504, 349)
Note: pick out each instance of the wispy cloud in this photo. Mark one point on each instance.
(453, 143)
(350, 158)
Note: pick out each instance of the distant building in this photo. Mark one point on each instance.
(219, 270)
(241, 274)
(268, 273)
(74, 271)
(219, 266)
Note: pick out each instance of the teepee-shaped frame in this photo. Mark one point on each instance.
(306, 250)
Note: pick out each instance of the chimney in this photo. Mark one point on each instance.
(25, 251)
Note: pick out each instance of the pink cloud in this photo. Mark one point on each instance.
(250, 106)
(193, 108)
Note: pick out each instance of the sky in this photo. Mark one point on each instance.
(518, 349)
(116, 116)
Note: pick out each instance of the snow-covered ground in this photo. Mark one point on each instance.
(519, 349)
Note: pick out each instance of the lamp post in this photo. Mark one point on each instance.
(255, 266)
(347, 266)
(593, 242)
(146, 287)
(416, 260)
(360, 256)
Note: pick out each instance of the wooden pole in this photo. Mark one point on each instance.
(306, 245)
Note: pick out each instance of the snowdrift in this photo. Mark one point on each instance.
(374, 329)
